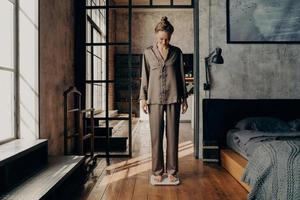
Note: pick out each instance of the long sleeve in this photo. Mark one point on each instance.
(184, 92)
(145, 79)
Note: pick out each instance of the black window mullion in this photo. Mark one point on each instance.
(130, 77)
(114, 118)
(150, 6)
(195, 5)
(100, 81)
(106, 83)
(92, 69)
(104, 43)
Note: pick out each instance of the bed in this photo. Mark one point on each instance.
(254, 164)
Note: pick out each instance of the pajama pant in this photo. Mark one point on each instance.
(156, 119)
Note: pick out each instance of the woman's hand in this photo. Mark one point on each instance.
(184, 106)
(144, 106)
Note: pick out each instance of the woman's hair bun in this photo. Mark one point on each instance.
(164, 25)
(164, 19)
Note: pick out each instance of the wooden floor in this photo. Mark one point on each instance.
(129, 178)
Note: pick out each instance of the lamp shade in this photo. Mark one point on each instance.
(217, 58)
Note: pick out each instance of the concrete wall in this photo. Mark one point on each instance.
(56, 68)
(144, 22)
(250, 71)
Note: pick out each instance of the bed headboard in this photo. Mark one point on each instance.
(220, 115)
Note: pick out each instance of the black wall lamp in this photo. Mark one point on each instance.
(216, 58)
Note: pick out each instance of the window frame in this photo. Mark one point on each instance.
(16, 69)
(95, 17)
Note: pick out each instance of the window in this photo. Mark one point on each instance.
(28, 69)
(7, 70)
(18, 69)
(96, 56)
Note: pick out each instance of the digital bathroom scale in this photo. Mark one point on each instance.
(165, 181)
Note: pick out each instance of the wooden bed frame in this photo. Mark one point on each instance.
(221, 115)
(235, 165)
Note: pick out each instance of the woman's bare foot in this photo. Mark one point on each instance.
(172, 178)
(158, 178)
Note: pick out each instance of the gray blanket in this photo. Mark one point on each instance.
(273, 171)
(249, 140)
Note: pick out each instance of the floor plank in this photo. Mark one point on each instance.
(129, 178)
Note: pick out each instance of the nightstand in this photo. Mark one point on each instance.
(211, 151)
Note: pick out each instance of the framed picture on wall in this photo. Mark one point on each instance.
(263, 21)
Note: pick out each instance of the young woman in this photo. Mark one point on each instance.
(163, 90)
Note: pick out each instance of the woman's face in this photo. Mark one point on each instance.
(163, 38)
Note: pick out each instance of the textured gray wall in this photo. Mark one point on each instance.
(249, 70)
(56, 68)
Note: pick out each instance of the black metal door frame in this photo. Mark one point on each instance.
(80, 61)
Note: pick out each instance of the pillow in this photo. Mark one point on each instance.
(295, 125)
(264, 124)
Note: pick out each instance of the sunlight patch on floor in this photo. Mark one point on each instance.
(137, 165)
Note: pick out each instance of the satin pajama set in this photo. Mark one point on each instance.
(163, 87)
